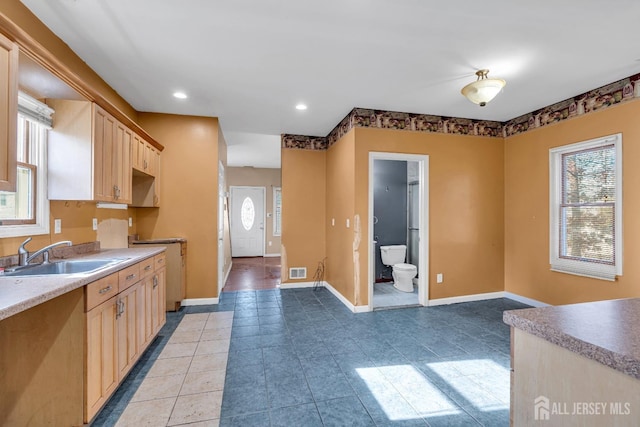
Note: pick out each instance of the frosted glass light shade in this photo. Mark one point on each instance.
(483, 90)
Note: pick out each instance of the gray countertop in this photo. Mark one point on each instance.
(18, 294)
(605, 331)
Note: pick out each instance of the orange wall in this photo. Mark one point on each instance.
(466, 207)
(188, 194)
(527, 209)
(76, 225)
(260, 177)
(340, 206)
(303, 210)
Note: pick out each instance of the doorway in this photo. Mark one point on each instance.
(398, 215)
(247, 221)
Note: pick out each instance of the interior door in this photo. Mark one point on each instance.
(247, 221)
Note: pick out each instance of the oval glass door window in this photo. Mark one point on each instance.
(248, 213)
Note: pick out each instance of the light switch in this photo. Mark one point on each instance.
(347, 222)
(439, 278)
(333, 222)
(95, 223)
(130, 222)
(57, 226)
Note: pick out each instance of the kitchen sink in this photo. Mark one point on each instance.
(64, 267)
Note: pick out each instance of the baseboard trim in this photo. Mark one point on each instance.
(297, 285)
(200, 301)
(525, 300)
(466, 298)
(271, 255)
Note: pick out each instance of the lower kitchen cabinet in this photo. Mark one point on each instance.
(101, 372)
(121, 320)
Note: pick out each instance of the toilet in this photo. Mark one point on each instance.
(403, 274)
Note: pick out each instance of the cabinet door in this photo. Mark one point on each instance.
(158, 300)
(8, 113)
(121, 166)
(128, 326)
(103, 147)
(137, 153)
(101, 363)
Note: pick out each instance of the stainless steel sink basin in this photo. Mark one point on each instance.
(64, 267)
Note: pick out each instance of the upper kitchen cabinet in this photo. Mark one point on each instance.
(89, 154)
(8, 113)
(145, 157)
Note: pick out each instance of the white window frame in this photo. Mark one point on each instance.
(579, 267)
(277, 212)
(34, 109)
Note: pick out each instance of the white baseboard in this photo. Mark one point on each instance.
(296, 285)
(200, 301)
(271, 255)
(466, 298)
(525, 300)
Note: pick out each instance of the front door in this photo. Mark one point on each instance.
(247, 221)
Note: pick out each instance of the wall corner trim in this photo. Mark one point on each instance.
(200, 301)
(525, 300)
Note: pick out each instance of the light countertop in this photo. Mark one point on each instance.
(605, 331)
(20, 293)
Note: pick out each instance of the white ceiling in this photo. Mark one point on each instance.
(249, 62)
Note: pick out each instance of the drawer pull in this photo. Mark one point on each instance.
(147, 268)
(160, 260)
(131, 276)
(105, 290)
(155, 281)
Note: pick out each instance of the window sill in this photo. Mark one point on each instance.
(23, 230)
(593, 275)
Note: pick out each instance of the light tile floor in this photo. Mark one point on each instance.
(185, 384)
(299, 358)
(386, 296)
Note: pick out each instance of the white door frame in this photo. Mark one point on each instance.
(222, 193)
(423, 245)
(264, 212)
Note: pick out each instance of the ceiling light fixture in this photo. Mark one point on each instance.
(484, 89)
(301, 107)
(180, 95)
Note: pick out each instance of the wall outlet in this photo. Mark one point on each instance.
(57, 226)
(130, 222)
(95, 223)
(333, 221)
(439, 278)
(270, 243)
(348, 223)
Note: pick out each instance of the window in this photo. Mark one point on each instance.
(586, 208)
(277, 211)
(26, 211)
(247, 213)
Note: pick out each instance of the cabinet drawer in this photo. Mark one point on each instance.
(160, 260)
(128, 276)
(146, 267)
(99, 291)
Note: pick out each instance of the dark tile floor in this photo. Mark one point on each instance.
(299, 357)
(253, 273)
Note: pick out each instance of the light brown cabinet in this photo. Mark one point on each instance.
(121, 316)
(146, 174)
(101, 364)
(8, 113)
(100, 168)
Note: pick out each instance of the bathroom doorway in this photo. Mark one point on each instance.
(398, 219)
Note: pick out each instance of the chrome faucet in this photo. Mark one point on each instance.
(25, 258)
